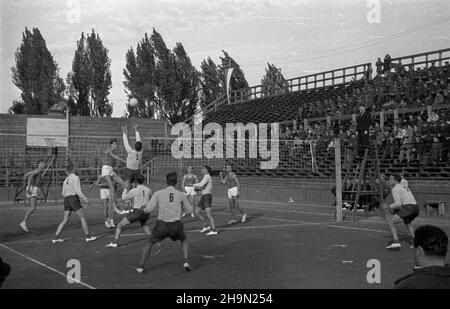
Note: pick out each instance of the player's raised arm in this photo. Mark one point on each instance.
(125, 139)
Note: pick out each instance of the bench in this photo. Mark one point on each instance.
(440, 205)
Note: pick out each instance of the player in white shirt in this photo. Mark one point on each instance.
(72, 194)
(205, 186)
(140, 196)
(188, 185)
(404, 209)
(171, 203)
(134, 156)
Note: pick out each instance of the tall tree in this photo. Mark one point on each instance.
(273, 82)
(36, 74)
(139, 81)
(188, 78)
(89, 82)
(101, 76)
(164, 81)
(211, 84)
(167, 86)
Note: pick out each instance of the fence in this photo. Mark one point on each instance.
(289, 156)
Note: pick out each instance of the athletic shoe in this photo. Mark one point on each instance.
(394, 245)
(140, 270)
(205, 229)
(54, 241)
(211, 233)
(111, 245)
(244, 218)
(187, 267)
(192, 215)
(23, 225)
(90, 238)
(231, 222)
(107, 224)
(111, 223)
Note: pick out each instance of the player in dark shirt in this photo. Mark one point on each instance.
(430, 272)
(33, 182)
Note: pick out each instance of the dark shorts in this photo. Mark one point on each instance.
(162, 230)
(138, 215)
(205, 201)
(131, 174)
(72, 203)
(408, 213)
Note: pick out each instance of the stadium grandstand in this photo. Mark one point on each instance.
(409, 97)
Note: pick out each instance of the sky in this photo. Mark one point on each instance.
(299, 36)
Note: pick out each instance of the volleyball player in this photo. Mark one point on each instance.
(33, 180)
(171, 203)
(108, 160)
(228, 177)
(105, 197)
(134, 157)
(140, 196)
(205, 186)
(188, 185)
(404, 209)
(72, 194)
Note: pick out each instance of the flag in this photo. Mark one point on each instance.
(228, 79)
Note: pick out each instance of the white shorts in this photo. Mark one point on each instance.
(190, 191)
(107, 171)
(34, 191)
(233, 192)
(105, 194)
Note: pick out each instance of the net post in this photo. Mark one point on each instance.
(148, 174)
(337, 159)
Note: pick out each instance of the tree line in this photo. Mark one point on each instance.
(164, 81)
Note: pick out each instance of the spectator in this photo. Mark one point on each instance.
(5, 269)
(363, 123)
(430, 272)
(379, 65)
(387, 63)
(405, 149)
(436, 150)
(390, 148)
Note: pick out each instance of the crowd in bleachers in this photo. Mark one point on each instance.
(394, 87)
(406, 138)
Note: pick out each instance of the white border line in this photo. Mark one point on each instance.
(45, 266)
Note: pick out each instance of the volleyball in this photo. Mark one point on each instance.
(133, 102)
